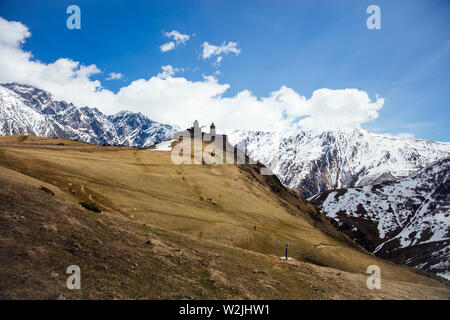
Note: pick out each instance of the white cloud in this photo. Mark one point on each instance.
(168, 71)
(178, 38)
(65, 78)
(339, 108)
(218, 60)
(210, 50)
(13, 33)
(171, 99)
(114, 76)
(167, 46)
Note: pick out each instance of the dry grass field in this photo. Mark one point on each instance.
(199, 221)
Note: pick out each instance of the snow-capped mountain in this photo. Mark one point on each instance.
(28, 110)
(407, 221)
(310, 161)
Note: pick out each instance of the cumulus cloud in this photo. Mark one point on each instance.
(168, 71)
(339, 108)
(114, 76)
(13, 33)
(168, 98)
(178, 38)
(210, 50)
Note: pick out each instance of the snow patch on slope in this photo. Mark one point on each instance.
(164, 146)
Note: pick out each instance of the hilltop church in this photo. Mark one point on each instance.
(196, 132)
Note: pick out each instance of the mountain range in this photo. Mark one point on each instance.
(407, 221)
(31, 111)
(312, 161)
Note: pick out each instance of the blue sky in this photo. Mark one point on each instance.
(303, 45)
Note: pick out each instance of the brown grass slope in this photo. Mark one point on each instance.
(199, 220)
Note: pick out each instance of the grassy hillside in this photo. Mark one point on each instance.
(200, 220)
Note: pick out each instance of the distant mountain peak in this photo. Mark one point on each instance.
(32, 111)
(312, 161)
